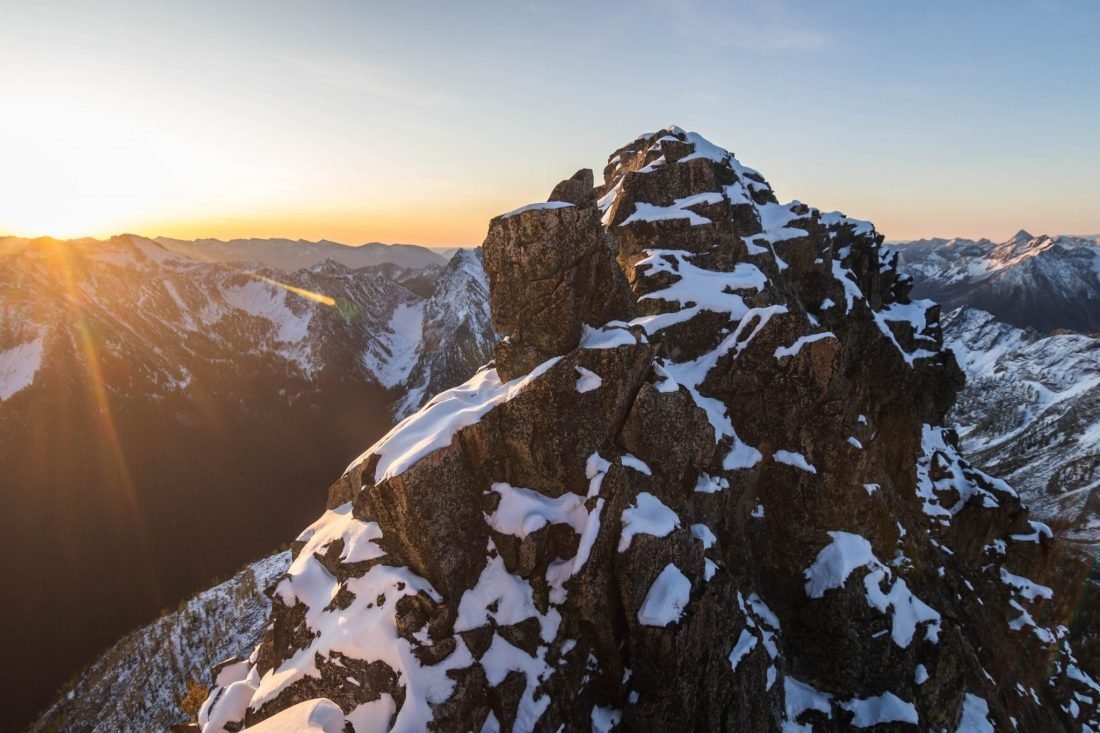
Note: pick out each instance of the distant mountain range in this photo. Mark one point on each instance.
(282, 254)
(290, 254)
(143, 382)
(1026, 313)
(1045, 282)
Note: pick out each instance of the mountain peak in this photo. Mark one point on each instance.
(1021, 236)
(705, 484)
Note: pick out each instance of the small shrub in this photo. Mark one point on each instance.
(193, 698)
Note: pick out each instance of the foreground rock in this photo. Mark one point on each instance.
(721, 500)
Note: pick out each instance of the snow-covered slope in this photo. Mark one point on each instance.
(1030, 413)
(1046, 283)
(138, 683)
(289, 255)
(133, 293)
(457, 331)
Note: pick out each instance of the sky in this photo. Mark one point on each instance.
(417, 122)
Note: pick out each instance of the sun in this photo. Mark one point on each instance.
(75, 165)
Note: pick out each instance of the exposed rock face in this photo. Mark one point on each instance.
(736, 510)
(577, 190)
(551, 271)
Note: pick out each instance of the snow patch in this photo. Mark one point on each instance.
(885, 708)
(587, 380)
(667, 598)
(836, 561)
(523, 511)
(847, 553)
(311, 716)
(797, 460)
(19, 365)
(745, 644)
(630, 460)
(800, 698)
(648, 515)
(793, 349)
(540, 206)
(975, 716)
(680, 209)
(435, 425)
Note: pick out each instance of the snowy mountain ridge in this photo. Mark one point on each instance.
(211, 302)
(457, 332)
(1041, 282)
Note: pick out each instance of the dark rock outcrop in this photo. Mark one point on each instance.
(551, 271)
(577, 190)
(719, 500)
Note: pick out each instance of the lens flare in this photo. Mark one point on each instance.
(308, 294)
(95, 384)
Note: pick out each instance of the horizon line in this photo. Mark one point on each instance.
(219, 240)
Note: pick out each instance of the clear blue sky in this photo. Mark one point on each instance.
(414, 121)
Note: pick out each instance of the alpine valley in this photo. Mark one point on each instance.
(145, 383)
(1027, 312)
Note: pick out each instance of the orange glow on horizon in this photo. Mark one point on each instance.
(462, 224)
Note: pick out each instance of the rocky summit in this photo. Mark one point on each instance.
(704, 485)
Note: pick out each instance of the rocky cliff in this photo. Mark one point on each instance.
(704, 485)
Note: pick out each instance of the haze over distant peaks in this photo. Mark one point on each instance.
(288, 255)
(294, 254)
